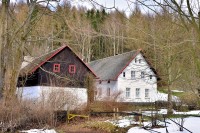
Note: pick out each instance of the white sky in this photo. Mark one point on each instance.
(119, 4)
(123, 5)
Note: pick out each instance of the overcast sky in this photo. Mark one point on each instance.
(123, 5)
(119, 4)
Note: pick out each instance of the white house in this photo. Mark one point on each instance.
(127, 75)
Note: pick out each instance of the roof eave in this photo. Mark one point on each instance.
(138, 51)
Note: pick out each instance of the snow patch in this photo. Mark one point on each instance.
(39, 131)
(191, 123)
(164, 97)
(176, 91)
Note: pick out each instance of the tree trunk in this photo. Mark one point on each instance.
(169, 67)
(4, 42)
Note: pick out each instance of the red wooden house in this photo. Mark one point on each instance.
(61, 68)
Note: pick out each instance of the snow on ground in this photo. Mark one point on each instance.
(149, 113)
(177, 91)
(163, 97)
(39, 131)
(191, 123)
(194, 112)
(164, 111)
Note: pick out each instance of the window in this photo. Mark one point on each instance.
(140, 60)
(99, 81)
(137, 92)
(108, 92)
(132, 74)
(150, 76)
(135, 60)
(142, 75)
(108, 81)
(128, 92)
(72, 69)
(56, 68)
(124, 74)
(146, 93)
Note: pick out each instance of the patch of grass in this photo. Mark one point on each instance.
(163, 91)
(106, 127)
(173, 93)
(178, 94)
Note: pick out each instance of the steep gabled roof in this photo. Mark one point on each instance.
(110, 68)
(39, 61)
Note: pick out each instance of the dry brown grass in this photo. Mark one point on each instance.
(25, 114)
(17, 114)
(190, 99)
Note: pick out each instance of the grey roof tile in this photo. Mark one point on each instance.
(109, 68)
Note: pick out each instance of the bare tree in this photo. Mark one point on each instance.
(13, 39)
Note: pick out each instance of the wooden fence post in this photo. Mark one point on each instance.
(117, 113)
(114, 113)
(140, 118)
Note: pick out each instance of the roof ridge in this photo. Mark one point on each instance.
(114, 56)
(50, 52)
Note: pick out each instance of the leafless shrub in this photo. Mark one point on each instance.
(18, 114)
(190, 99)
(108, 103)
(60, 99)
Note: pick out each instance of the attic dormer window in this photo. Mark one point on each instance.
(124, 74)
(72, 69)
(56, 68)
(135, 60)
(140, 60)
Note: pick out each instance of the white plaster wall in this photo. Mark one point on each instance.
(145, 83)
(76, 97)
(29, 93)
(103, 86)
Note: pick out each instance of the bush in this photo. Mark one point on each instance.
(189, 99)
(104, 126)
(16, 115)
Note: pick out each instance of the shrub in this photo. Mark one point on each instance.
(189, 99)
(18, 113)
(104, 126)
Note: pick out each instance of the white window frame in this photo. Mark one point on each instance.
(137, 92)
(142, 75)
(146, 93)
(128, 92)
(133, 74)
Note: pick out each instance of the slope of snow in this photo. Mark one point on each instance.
(191, 123)
(194, 112)
(39, 131)
(163, 97)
